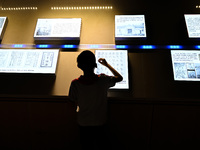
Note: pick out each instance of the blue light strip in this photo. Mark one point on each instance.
(101, 46)
(197, 47)
(94, 46)
(43, 46)
(174, 46)
(147, 47)
(18, 45)
(121, 46)
(68, 46)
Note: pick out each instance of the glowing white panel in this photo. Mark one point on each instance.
(28, 61)
(130, 26)
(118, 59)
(192, 24)
(186, 65)
(57, 29)
(3, 21)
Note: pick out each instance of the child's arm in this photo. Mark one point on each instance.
(116, 74)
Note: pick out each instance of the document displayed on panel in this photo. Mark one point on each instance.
(186, 65)
(118, 59)
(28, 61)
(58, 28)
(130, 26)
(3, 21)
(192, 24)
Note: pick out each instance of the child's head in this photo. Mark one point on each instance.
(86, 60)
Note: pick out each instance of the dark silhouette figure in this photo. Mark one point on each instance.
(89, 93)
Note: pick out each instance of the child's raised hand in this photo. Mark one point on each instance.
(103, 61)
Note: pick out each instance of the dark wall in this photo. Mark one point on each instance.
(50, 123)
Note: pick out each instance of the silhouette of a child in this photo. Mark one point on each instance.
(89, 92)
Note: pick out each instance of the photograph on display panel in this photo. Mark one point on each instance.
(192, 24)
(130, 26)
(186, 65)
(118, 59)
(57, 28)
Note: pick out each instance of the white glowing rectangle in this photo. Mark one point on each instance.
(3, 21)
(28, 61)
(186, 65)
(130, 26)
(118, 59)
(57, 29)
(192, 24)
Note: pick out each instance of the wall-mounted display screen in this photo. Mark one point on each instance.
(28, 61)
(3, 21)
(186, 65)
(192, 24)
(130, 26)
(118, 59)
(57, 29)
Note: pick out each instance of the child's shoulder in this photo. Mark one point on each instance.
(103, 75)
(75, 80)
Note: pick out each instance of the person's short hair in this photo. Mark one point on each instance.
(86, 60)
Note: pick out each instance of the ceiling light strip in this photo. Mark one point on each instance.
(18, 8)
(197, 6)
(83, 8)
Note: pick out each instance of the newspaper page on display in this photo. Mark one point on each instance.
(118, 59)
(186, 65)
(192, 24)
(3, 21)
(130, 26)
(58, 28)
(28, 61)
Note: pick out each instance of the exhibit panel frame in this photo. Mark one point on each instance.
(29, 61)
(57, 29)
(130, 26)
(3, 23)
(186, 65)
(192, 24)
(118, 59)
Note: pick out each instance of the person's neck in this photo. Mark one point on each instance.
(88, 74)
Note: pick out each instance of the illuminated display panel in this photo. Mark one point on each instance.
(186, 65)
(57, 29)
(130, 26)
(118, 59)
(3, 21)
(192, 24)
(28, 61)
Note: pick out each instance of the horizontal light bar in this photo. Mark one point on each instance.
(147, 47)
(121, 46)
(174, 47)
(18, 45)
(68, 46)
(43, 46)
(19, 8)
(82, 8)
(94, 46)
(197, 47)
(102, 46)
